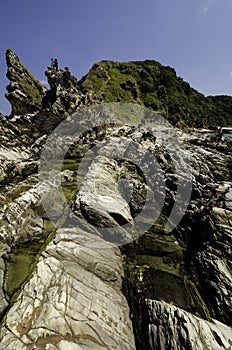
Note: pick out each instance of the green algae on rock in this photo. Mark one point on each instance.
(25, 92)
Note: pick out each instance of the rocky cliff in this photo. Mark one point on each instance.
(115, 227)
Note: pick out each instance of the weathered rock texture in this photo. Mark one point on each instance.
(64, 97)
(25, 93)
(64, 283)
(41, 108)
(73, 299)
(173, 328)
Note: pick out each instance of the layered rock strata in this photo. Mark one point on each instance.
(75, 273)
(173, 328)
(73, 299)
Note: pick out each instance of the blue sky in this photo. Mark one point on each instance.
(192, 36)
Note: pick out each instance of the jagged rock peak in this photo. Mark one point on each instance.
(64, 96)
(25, 92)
(34, 104)
(61, 77)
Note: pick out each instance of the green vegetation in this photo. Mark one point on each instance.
(26, 82)
(158, 87)
(22, 261)
(221, 109)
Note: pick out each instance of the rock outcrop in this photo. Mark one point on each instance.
(173, 328)
(64, 96)
(86, 259)
(40, 108)
(25, 92)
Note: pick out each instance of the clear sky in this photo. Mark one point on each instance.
(192, 36)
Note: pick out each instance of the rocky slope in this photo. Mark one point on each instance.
(95, 252)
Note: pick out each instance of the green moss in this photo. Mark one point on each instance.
(19, 267)
(31, 88)
(160, 263)
(25, 81)
(22, 261)
(155, 268)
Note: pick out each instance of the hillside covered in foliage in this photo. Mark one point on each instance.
(156, 86)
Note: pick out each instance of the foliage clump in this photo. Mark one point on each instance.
(158, 87)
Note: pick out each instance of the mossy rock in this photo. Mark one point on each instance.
(24, 88)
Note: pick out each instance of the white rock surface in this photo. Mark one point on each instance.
(73, 300)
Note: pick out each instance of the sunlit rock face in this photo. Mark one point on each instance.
(25, 92)
(72, 275)
(73, 297)
(34, 104)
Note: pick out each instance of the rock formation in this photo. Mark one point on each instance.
(25, 93)
(33, 103)
(64, 96)
(173, 328)
(77, 271)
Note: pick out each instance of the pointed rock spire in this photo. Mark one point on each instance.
(25, 92)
